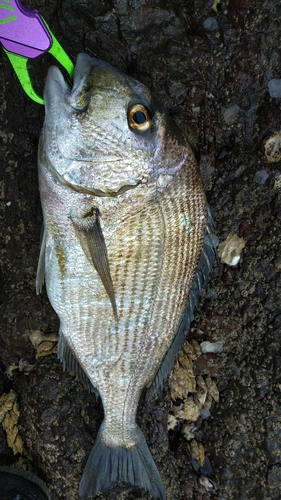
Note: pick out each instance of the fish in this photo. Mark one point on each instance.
(127, 247)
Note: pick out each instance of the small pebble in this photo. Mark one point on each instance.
(211, 294)
(230, 249)
(188, 431)
(207, 469)
(215, 347)
(204, 414)
(272, 148)
(172, 422)
(197, 451)
(212, 389)
(207, 484)
(189, 411)
(236, 370)
(210, 24)
(274, 88)
(230, 114)
(261, 176)
(277, 183)
(134, 48)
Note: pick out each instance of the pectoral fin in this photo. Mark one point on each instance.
(89, 232)
(40, 276)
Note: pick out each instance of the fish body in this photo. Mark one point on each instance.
(125, 217)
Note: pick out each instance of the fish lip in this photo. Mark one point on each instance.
(79, 96)
(56, 89)
(83, 67)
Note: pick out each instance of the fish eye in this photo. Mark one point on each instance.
(139, 118)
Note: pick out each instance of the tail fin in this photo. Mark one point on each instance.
(111, 464)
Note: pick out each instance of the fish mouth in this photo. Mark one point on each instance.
(60, 179)
(77, 96)
(98, 192)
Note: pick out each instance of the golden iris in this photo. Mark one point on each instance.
(139, 118)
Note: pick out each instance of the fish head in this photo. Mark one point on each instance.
(108, 133)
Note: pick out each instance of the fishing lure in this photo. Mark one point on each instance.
(25, 35)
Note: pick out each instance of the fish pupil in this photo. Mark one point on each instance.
(139, 117)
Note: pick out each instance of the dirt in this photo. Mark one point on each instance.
(210, 64)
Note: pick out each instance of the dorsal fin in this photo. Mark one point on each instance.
(200, 279)
(89, 232)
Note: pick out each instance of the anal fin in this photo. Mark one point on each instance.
(70, 363)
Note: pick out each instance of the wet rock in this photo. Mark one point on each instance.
(166, 47)
(274, 479)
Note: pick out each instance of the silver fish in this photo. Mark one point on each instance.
(127, 248)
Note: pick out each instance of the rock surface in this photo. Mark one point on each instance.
(201, 58)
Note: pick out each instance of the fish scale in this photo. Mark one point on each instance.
(125, 218)
(152, 342)
(105, 334)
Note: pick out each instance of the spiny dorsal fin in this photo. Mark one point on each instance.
(89, 232)
(200, 279)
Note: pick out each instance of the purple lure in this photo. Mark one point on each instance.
(22, 31)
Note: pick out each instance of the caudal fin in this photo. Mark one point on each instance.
(112, 464)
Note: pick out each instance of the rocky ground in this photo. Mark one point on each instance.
(216, 68)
